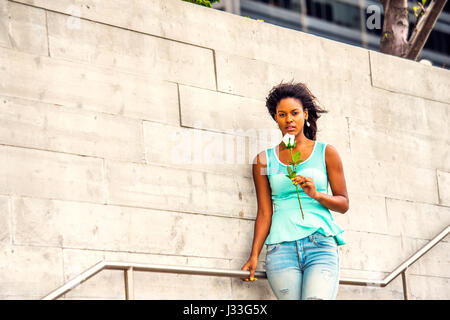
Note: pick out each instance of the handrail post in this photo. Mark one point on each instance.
(129, 283)
(405, 286)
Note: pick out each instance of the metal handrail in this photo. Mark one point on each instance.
(129, 268)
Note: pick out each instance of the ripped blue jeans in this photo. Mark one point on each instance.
(304, 269)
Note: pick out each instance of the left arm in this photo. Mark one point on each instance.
(339, 201)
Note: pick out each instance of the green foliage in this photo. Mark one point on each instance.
(295, 161)
(291, 172)
(296, 157)
(205, 3)
(418, 10)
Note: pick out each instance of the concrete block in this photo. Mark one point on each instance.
(394, 180)
(428, 288)
(393, 291)
(25, 27)
(104, 227)
(367, 213)
(367, 251)
(166, 188)
(5, 221)
(416, 220)
(36, 173)
(443, 181)
(29, 272)
(217, 111)
(402, 75)
(391, 145)
(121, 49)
(204, 150)
(333, 130)
(398, 111)
(259, 78)
(435, 263)
(148, 285)
(84, 86)
(32, 124)
(4, 24)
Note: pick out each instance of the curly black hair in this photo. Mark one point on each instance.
(301, 92)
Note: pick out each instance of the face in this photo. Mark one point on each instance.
(290, 116)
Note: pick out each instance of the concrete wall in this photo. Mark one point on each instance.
(123, 126)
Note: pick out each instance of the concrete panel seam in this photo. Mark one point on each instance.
(168, 210)
(370, 69)
(53, 151)
(218, 91)
(61, 152)
(46, 30)
(63, 268)
(412, 95)
(159, 164)
(420, 202)
(215, 69)
(77, 201)
(94, 112)
(179, 104)
(130, 252)
(437, 186)
(386, 211)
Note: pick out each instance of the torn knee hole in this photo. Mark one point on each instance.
(284, 291)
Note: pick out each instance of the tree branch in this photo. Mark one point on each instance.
(423, 29)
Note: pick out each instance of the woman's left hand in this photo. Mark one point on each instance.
(307, 184)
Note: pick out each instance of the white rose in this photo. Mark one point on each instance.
(289, 140)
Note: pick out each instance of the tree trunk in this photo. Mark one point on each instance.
(394, 38)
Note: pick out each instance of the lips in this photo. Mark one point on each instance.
(290, 128)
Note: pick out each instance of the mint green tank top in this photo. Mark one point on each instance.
(287, 223)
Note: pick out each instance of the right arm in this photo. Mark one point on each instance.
(264, 214)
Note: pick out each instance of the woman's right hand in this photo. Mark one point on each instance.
(250, 265)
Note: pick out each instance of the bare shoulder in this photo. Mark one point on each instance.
(260, 159)
(332, 157)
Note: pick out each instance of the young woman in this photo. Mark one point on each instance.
(302, 258)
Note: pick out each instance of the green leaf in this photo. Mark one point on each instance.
(424, 1)
(296, 157)
(292, 173)
(289, 170)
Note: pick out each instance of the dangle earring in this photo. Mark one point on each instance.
(307, 123)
